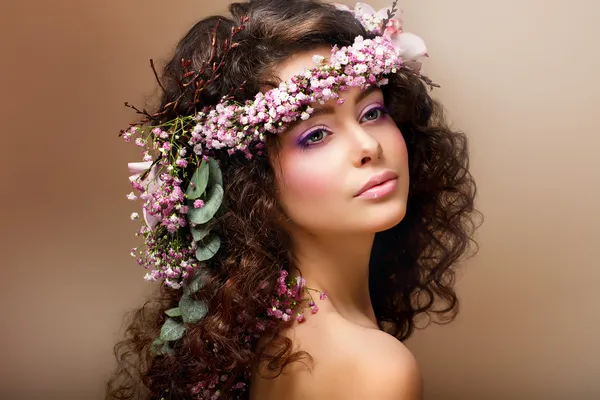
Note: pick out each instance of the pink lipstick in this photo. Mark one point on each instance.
(379, 185)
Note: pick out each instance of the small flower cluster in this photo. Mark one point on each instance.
(236, 127)
(173, 262)
(169, 253)
(290, 295)
(372, 21)
(209, 388)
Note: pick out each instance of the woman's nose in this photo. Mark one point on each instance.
(366, 148)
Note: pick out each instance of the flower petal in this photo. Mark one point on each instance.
(340, 6)
(362, 8)
(138, 167)
(410, 46)
(150, 182)
(151, 220)
(383, 12)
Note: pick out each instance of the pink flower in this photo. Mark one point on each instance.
(182, 163)
(198, 204)
(393, 28)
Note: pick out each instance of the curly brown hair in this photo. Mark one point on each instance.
(411, 267)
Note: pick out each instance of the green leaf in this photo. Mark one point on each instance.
(198, 182)
(208, 248)
(196, 282)
(211, 206)
(174, 312)
(167, 349)
(199, 232)
(171, 330)
(214, 177)
(156, 346)
(160, 348)
(192, 310)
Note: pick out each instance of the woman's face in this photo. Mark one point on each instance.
(324, 163)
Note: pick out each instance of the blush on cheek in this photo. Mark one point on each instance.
(305, 180)
(393, 143)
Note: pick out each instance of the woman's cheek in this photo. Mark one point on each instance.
(306, 178)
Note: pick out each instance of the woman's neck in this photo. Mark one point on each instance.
(339, 266)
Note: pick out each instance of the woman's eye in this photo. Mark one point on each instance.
(313, 138)
(373, 114)
(316, 136)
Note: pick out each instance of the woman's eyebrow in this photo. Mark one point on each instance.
(324, 110)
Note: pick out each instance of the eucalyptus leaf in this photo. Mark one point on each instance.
(199, 232)
(196, 282)
(171, 330)
(208, 248)
(215, 177)
(198, 182)
(173, 312)
(192, 310)
(211, 206)
(156, 346)
(167, 349)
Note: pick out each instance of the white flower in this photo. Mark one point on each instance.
(410, 46)
(318, 59)
(284, 96)
(149, 276)
(134, 216)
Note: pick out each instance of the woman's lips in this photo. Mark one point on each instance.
(380, 190)
(379, 185)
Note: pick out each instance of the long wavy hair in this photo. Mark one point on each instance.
(411, 267)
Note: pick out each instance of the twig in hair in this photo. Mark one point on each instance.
(429, 82)
(390, 14)
(138, 111)
(156, 76)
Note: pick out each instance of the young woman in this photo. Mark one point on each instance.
(304, 202)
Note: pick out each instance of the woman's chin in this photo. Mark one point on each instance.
(385, 218)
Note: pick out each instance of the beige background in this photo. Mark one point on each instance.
(520, 76)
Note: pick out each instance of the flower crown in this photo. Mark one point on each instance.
(182, 188)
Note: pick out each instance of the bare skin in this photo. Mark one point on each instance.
(319, 174)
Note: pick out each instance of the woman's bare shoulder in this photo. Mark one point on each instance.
(367, 363)
(350, 362)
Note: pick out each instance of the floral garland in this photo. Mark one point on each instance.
(182, 189)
